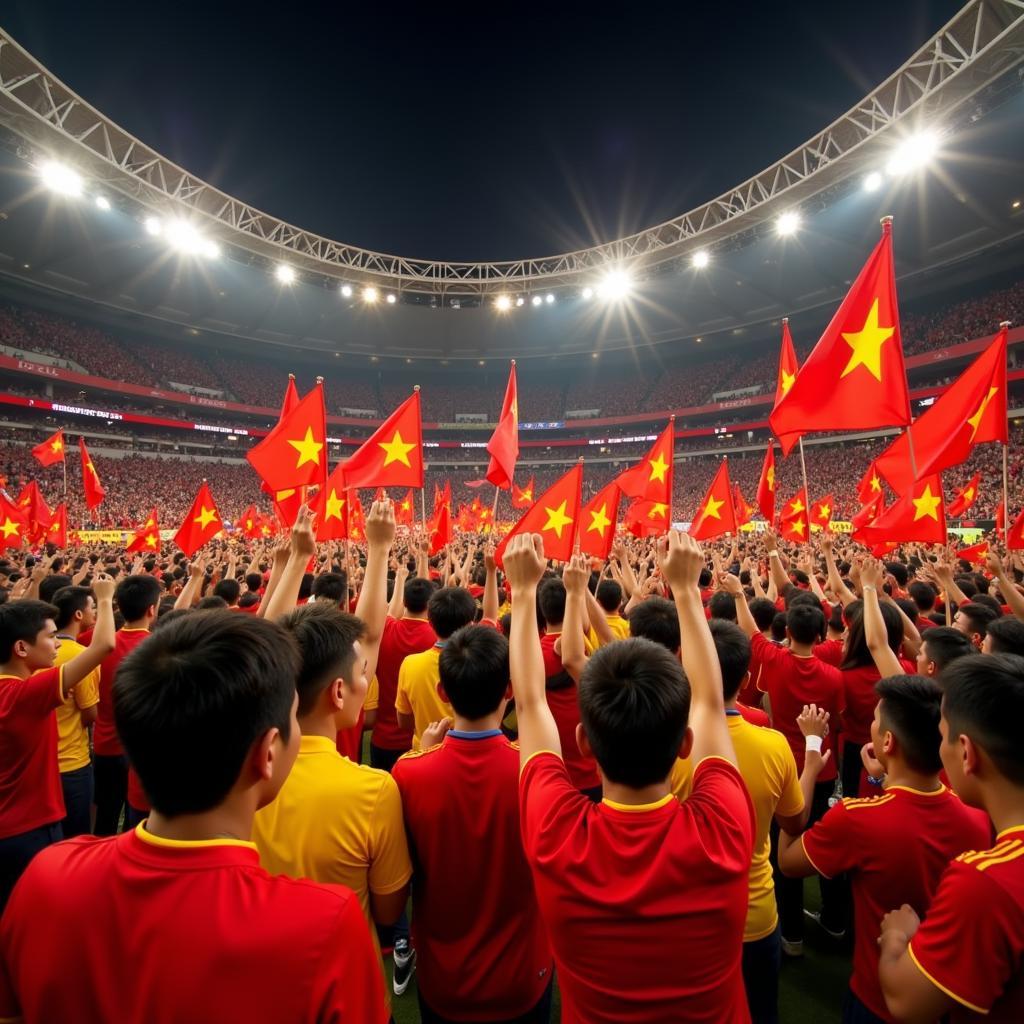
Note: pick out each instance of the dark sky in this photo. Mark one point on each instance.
(489, 132)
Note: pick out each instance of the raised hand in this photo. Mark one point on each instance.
(576, 574)
(524, 561)
(681, 560)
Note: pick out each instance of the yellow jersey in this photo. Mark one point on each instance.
(417, 691)
(72, 734)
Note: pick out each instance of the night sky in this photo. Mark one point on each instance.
(476, 133)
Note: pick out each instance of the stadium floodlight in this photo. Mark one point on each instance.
(60, 178)
(700, 259)
(913, 153)
(536, 300)
(503, 303)
(284, 273)
(873, 182)
(549, 298)
(788, 223)
(391, 299)
(103, 202)
(153, 225)
(346, 291)
(184, 237)
(588, 293)
(615, 285)
(520, 301)
(369, 294)
(211, 250)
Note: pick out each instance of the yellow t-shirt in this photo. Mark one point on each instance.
(769, 771)
(372, 699)
(335, 821)
(617, 624)
(72, 734)
(417, 691)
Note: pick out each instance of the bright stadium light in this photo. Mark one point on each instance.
(615, 285)
(503, 303)
(788, 223)
(588, 293)
(700, 259)
(369, 294)
(211, 250)
(184, 237)
(103, 202)
(913, 153)
(346, 291)
(391, 299)
(284, 273)
(61, 179)
(549, 298)
(153, 225)
(520, 301)
(536, 300)
(873, 182)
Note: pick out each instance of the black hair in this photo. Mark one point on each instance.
(733, 648)
(416, 594)
(911, 709)
(704, 580)
(836, 621)
(797, 596)
(656, 619)
(248, 599)
(609, 595)
(474, 671)
(980, 616)
(330, 586)
(634, 705)
(551, 598)
(306, 586)
(49, 585)
(989, 602)
(923, 595)
(906, 606)
(855, 651)
(967, 584)
(1006, 635)
(449, 609)
(505, 624)
(779, 627)
(166, 618)
(944, 644)
(984, 699)
(68, 601)
(898, 571)
(211, 603)
(135, 595)
(806, 623)
(722, 606)
(22, 620)
(229, 589)
(192, 699)
(764, 612)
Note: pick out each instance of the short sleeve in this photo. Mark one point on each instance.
(372, 696)
(402, 705)
(390, 866)
(41, 693)
(969, 912)
(87, 693)
(791, 799)
(721, 805)
(680, 779)
(831, 844)
(764, 652)
(550, 806)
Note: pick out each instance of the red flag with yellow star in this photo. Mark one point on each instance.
(330, 508)
(51, 451)
(439, 529)
(821, 512)
(503, 446)
(788, 365)
(405, 510)
(766, 486)
(33, 506)
(854, 379)
(870, 485)
(965, 497)
(202, 522)
(919, 515)
(976, 553)
(972, 410)
(744, 510)
(715, 514)
(356, 516)
(13, 527)
(147, 536)
(522, 497)
(294, 453)
(647, 518)
(94, 492)
(554, 515)
(867, 515)
(248, 522)
(1015, 536)
(597, 521)
(651, 479)
(393, 455)
(57, 527)
(795, 524)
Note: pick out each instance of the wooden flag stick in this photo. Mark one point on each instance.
(807, 490)
(494, 509)
(1006, 464)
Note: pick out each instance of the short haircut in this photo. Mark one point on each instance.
(254, 581)
(306, 586)
(330, 586)
(984, 699)
(923, 595)
(49, 585)
(764, 612)
(248, 599)
(944, 644)
(68, 601)
(911, 709)
(967, 584)
(551, 598)
(192, 699)
(979, 616)
(449, 609)
(229, 589)
(474, 671)
(22, 620)
(656, 619)
(609, 595)
(988, 601)
(1006, 635)
(898, 571)
(211, 603)
(325, 638)
(806, 623)
(135, 595)
(733, 648)
(779, 627)
(722, 606)
(415, 595)
(634, 705)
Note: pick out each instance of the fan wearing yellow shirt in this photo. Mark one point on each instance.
(609, 599)
(76, 609)
(419, 701)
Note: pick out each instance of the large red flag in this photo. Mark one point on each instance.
(33, 506)
(795, 524)
(645, 518)
(94, 492)
(13, 528)
(716, 514)
(393, 455)
(554, 515)
(405, 510)
(976, 553)
(356, 516)
(597, 521)
(202, 523)
(286, 502)
(744, 510)
(854, 379)
(147, 536)
(652, 478)
(294, 453)
(918, 515)
(867, 515)
(766, 486)
(57, 528)
(330, 508)
(522, 497)
(51, 451)
(821, 512)
(788, 366)
(965, 497)
(503, 446)
(870, 485)
(439, 529)
(972, 410)
(1015, 536)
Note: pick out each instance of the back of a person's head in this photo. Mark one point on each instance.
(135, 595)
(898, 571)
(722, 606)
(978, 616)
(779, 627)
(906, 606)
(449, 609)
(228, 589)
(836, 622)
(981, 582)
(330, 587)
(192, 699)
(856, 653)
(795, 596)
(1005, 635)
(69, 601)
(634, 706)
(763, 612)
(988, 601)
(609, 595)
(49, 585)
(910, 709)
(944, 644)
(923, 595)
(253, 581)
(984, 700)
(306, 586)
(655, 619)
(705, 578)
(551, 597)
(415, 595)
(211, 603)
(169, 616)
(474, 671)
(806, 623)
(248, 599)
(967, 584)
(733, 648)
(22, 620)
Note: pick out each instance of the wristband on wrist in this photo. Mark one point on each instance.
(869, 586)
(812, 743)
(876, 782)
(773, 554)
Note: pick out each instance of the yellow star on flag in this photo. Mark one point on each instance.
(557, 519)
(396, 450)
(205, 517)
(876, 484)
(927, 504)
(824, 512)
(57, 446)
(658, 468)
(281, 495)
(968, 494)
(89, 466)
(151, 540)
(55, 526)
(406, 506)
(334, 506)
(797, 526)
(867, 345)
(10, 527)
(599, 520)
(771, 478)
(527, 495)
(308, 449)
(658, 510)
(797, 507)
(975, 420)
(711, 509)
(787, 381)
(265, 530)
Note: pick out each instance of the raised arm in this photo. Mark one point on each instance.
(189, 592)
(1011, 595)
(396, 607)
(575, 577)
(776, 569)
(490, 603)
(102, 642)
(281, 554)
(302, 548)
(732, 586)
(372, 606)
(842, 592)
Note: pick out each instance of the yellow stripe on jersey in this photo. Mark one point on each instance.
(984, 865)
(859, 803)
(938, 984)
(972, 855)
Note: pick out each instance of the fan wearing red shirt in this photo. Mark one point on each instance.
(966, 958)
(896, 845)
(636, 890)
(482, 950)
(206, 711)
(31, 689)
(138, 600)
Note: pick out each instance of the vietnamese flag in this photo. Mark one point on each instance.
(405, 509)
(597, 521)
(795, 524)
(870, 485)
(94, 492)
(652, 478)
(854, 379)
(294, 453)
(1001, 518)
(766, 486)
(147, 537)
(503, 446)
(51, 451)
(13, 528)
(330, 508)
(788, 365)
(289, 510)
(1015, 538)
(202, 523)
(744, 510)
(287, 504)
(867, 515)
(393, 455)
(716, 514)
(918, 515)
(965, 497)
(972, 410)
(443, 497)
(57, 527)
(248, 522)
(976, 553)
(33, 506)
(356, 516)
(821, 512)
(645, 518)
(439, 529)
(555, 516)
(522, 497)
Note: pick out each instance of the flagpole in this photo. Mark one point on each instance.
(803, 472)
(1005, 325)
(494, 509)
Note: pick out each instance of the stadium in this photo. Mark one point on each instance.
(157, 318)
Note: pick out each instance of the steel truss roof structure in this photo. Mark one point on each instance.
(983, 41)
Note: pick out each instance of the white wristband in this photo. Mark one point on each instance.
(812, 743)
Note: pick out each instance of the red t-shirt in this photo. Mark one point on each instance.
(830, 652)
(635, 897)
(895, 848)
(792, 682)
(485, 957)
(971, 944)
(565, 708)
(104, 735)
(349, 742)
(401, 638)
(209, 934)
(859, 694)
(30, 791)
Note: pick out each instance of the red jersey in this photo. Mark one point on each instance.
(401, 637)
(565, 708)
(830, 652)
(30, 791)
(859, 694)
(635, 896)
(255, 944)
(895, 848)
(104, 735)
(971, 944)
(791, 682)
(349, 742)
(482, 952)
